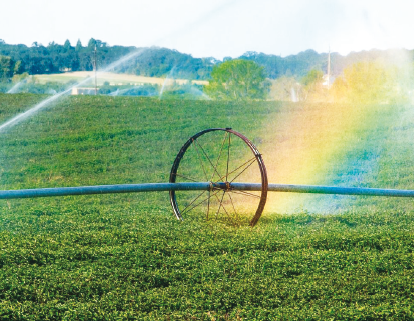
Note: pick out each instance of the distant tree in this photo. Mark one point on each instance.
(91, 43)
(67, 45)
(74, 63)
(2, 42)
(18, 68)
(371, 82)
(312, 84)
(250, 54)
(38, 59)
(51, 44)
(100, 44)
(212, 60)
(6, 67)
(78, 45)
(312, 77)
(237, 80)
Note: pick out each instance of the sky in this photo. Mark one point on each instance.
(215, 28)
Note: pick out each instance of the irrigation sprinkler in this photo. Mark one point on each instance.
(218, 172)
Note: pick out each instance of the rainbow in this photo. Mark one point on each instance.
(304, 144)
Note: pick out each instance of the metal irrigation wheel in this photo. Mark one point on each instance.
(220, 156)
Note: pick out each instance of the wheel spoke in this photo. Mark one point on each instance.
(221, 149)
(192, 202)
(228, 158)
(244, 193)
(206, 199)
(251, 159)
(207, 161)
(202, 149)
(243, 170)
(231, 219)
(208, 205)
(199, 158)
(232, 204)
(221, 205)
(186, 177)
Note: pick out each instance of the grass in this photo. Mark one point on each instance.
(116, 257)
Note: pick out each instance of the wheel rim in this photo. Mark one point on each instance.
(220, 156)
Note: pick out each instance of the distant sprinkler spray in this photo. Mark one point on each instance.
(293, 96)
(169, 75)
(16, 87)
(17, 119)
(20, 117)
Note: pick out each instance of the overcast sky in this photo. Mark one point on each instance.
(215, 28)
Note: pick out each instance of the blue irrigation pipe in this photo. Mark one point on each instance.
(317, 189)
(101, 189)
(159, 187)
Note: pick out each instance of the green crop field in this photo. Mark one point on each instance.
(126, 257)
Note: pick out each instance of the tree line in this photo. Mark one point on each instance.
(160, 62)
(56, 58)
(297, 77)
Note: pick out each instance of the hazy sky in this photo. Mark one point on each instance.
(215, 28)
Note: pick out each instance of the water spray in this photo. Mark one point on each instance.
(15, 88)
(20, 117)
(17, 119)
(230, 191)
(165, 81)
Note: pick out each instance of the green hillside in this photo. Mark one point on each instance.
(120, 257)
(161, 62)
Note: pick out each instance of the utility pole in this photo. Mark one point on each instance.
(95, 67)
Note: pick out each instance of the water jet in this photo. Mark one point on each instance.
(235, 185)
